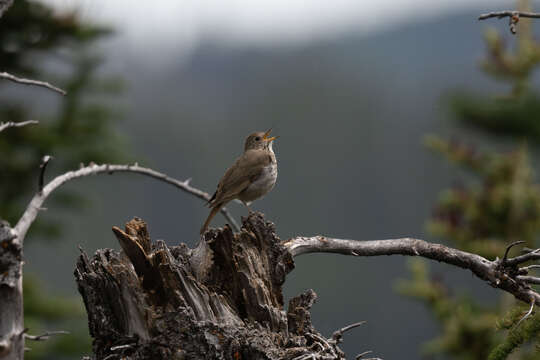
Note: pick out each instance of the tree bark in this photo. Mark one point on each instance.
(11, 296)
(221, 300)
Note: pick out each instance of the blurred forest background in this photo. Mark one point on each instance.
(427, 128)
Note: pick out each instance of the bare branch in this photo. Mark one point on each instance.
(35, 204)
(323, 343)
(526, 269)
(513, 15)
(359, 356)
(499, 275)
(43, 166)
(9, 124)
(505, 257)
(7, 76)
(532, 255)
(529, 279)
(509, 13)
(337, 336)
(45, 336)
(122, 347)
(526, 315)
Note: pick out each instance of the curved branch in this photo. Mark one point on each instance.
(499, 274)
(8, 76)
(4, 126)
(37, 201)
(42, 167)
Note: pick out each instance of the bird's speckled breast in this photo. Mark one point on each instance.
(264, 183)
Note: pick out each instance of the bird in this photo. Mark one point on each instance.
(251, 177)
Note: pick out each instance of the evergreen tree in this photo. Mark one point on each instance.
(39, 43)
(500, 206)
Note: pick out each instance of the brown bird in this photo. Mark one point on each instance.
(252, 176)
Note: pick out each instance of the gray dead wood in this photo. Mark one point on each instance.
(509, 13)
(514, 16)
(11, 311)
(504, 274)
(35, 205)
(221, 300)
(12, 332)
(9, 124)
(32, 82)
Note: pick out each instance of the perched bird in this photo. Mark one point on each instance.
(252, 176)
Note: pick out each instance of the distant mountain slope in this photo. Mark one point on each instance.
(351, 111)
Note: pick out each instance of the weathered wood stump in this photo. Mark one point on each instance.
(221, 300)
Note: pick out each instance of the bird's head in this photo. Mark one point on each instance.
(259, 140)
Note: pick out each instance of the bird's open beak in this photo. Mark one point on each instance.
(266, 138)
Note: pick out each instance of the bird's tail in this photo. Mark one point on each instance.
(213, 213)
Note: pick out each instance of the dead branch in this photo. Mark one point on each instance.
(527, 314)
(45, 336)
(42, 167)
(527, 268)
(529, 279)
(505, 257)
(504, 275)
(39, 198)
(513, 15)
(337, 336)
(361, 356)
(509, 13)
(531, 255)
(122, 347)
(9, 124)
(7, 76)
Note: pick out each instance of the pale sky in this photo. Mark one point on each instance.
(174, 28)
(187, 21)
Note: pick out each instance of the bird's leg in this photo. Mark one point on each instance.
(247, 205)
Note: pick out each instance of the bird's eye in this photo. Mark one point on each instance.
(258, 138)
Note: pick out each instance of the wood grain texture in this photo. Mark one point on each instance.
(221, 300)
(11, 296)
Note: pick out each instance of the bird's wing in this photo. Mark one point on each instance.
(238, 177)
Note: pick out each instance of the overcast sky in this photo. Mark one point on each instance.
(185, 22)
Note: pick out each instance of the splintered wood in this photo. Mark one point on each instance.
(221, 300)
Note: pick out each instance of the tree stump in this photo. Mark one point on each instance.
(221, 300)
